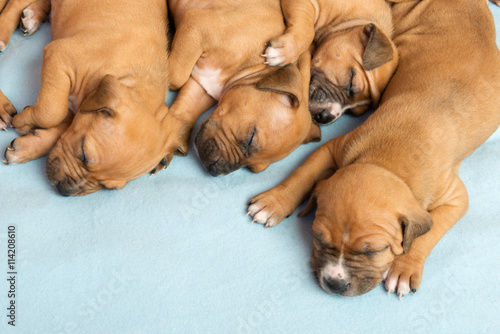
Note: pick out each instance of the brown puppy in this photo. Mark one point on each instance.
(395, 190)
(354, 56)
(108, 58)
(262, 113)
(28, 14)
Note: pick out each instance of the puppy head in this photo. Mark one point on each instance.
(258, 121)
(365, 217)
(112, 140)
(349, 70)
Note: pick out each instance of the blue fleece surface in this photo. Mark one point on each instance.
(176, 253)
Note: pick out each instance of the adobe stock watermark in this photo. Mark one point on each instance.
(204, 197)
(95, 305)
(11, 275)
(267, 308)
(446, 297)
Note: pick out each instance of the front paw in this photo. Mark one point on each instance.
(404, 275)
(281, 51)
(162, 165)
(20, 121)
(269, 208)
(7, 112)
(25, 148)
(30, 22)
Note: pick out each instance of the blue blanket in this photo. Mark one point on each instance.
(175, 253)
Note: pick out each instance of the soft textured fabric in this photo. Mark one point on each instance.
(175, 253)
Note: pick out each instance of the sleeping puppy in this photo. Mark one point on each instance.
(28, 14)
(107, 63)
(262, 113)
(395, 189)
(354, 56)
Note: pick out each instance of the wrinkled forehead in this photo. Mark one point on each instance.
(354, 226)
(247, 105)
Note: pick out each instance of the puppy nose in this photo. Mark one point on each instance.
(213, 169)
(323, 117)
(338, 286)
(65, 188)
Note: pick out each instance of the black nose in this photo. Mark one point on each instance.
(323, 117)
(338, 286)
(67, 188)
(213, 169)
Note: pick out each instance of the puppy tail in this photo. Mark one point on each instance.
(310, 206)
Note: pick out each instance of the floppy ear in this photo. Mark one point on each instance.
(414, 226)
(285, 80)
(104, 99)
(378, 48)
(314, 134)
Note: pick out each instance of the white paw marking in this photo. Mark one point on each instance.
(391, 284)
(273, 56)
(261, 215)
(403, 289)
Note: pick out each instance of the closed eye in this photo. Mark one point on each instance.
(326, 247)
(248, 144)
(349, 89)
(83, 158)
(372, 252)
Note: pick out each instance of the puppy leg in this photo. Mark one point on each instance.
(272, 206)
(7, 112)
(52, 104)
(298, 36)
(9, 18)
(191, 102)
(405, 273)
(186, 49)
(33, 16)
(34, 145)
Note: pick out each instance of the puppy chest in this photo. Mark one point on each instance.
(210, 79)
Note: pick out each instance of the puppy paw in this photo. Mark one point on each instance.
(267, 208)
(162, 165)
(7, 113)
(21, 121)
(404, 275)
(32, 146)
(281, 51)
(30, 22)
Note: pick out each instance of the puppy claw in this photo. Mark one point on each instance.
(4, 129)
(10, 148)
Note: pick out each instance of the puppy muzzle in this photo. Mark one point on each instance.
(67, 188)
(326, 101)
(212, 156)
(65, 184)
